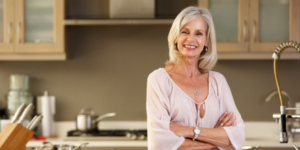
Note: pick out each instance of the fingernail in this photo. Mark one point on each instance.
(225, 112)
(231, 113)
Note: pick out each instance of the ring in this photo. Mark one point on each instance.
(222, 124)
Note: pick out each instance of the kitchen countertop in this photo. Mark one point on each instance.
(257, 134)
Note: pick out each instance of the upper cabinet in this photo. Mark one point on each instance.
(32, 30)
(252, 29)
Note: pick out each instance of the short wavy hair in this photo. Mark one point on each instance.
(208, 59)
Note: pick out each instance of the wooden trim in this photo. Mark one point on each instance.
(294, 20)
(19, 21)
(203, 3)
(33, 57)
(8, 20)
(254, 22)
(257, 56)
(58, 32)
(119, 22)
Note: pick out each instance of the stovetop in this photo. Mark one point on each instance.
(106, 135)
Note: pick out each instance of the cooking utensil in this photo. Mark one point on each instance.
(32, 120)
(295, 146)
(78, 147)
(50, 146)
(18, 113)
(87, 121)
(36, 122)
(104, 116)
(26, 113)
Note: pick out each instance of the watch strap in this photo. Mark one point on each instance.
(196, 134)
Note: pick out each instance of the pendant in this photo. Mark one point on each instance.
(196, 92)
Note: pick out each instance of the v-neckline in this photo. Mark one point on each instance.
(186, 93)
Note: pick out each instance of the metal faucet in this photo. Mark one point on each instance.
(276, 55)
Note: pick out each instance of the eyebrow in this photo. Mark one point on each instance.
(197, 29)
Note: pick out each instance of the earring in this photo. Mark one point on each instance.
(205, 48)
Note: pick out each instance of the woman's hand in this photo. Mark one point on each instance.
(180, 130)
(226, 120)
(189, 144)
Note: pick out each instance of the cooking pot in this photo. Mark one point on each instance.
(50, 146)
(88, 121)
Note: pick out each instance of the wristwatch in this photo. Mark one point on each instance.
(197, 132)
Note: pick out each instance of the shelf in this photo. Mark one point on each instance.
(33, 57)
(69, 22)
(256, 56)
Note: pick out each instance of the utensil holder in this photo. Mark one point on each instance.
(14, 137)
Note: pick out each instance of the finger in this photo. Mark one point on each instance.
(227, 117)
(220, 119)
(234, 124)
(230, 121)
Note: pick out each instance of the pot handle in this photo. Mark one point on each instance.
(104, 116)
(46, 145)
(83, 144)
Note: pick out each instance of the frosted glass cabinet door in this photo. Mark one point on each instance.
(6, 26)
(272, 23)
(226, 24)
(39, 21)
(40, 26)
(231, 23)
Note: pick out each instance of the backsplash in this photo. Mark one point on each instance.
(108, 67)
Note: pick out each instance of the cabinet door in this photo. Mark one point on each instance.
(231, 23)
(39, 26)
(273, 22)
(6, 26)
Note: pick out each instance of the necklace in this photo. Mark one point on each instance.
(196, 91)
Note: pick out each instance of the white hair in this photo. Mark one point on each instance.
(208, 59)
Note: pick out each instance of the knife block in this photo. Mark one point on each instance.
(14, 137)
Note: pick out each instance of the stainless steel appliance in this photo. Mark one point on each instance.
(18, 94)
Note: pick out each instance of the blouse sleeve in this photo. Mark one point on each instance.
(235, 134)
(160, 137)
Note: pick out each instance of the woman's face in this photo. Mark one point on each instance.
(192, 38)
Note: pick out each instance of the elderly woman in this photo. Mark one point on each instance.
(188, 105)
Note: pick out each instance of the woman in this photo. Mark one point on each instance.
(188, 105)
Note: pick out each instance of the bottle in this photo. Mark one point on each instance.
(18, 94)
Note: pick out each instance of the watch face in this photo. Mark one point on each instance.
(197, 131)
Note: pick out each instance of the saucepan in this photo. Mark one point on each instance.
(50, 146)
(88, 121)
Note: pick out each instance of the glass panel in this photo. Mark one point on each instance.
(225, 16)
(274, 20)
(1, 22)
(39, 21)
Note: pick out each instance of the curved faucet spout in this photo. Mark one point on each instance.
(276, 56)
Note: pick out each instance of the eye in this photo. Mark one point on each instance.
(199, 33)
(185, 32)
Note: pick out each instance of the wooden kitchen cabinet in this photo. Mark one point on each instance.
(252, 29)
(32, 30)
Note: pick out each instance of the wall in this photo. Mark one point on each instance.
(108, 68)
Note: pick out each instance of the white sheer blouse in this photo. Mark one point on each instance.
(167, 102)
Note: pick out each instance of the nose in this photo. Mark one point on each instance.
(191, 37)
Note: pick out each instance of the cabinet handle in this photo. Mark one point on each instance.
(18, 31)
(245, 31)
(254, 31)
(9, 32)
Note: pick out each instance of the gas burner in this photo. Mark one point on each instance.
(107, 135)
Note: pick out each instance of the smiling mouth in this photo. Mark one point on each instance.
(188, 46)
